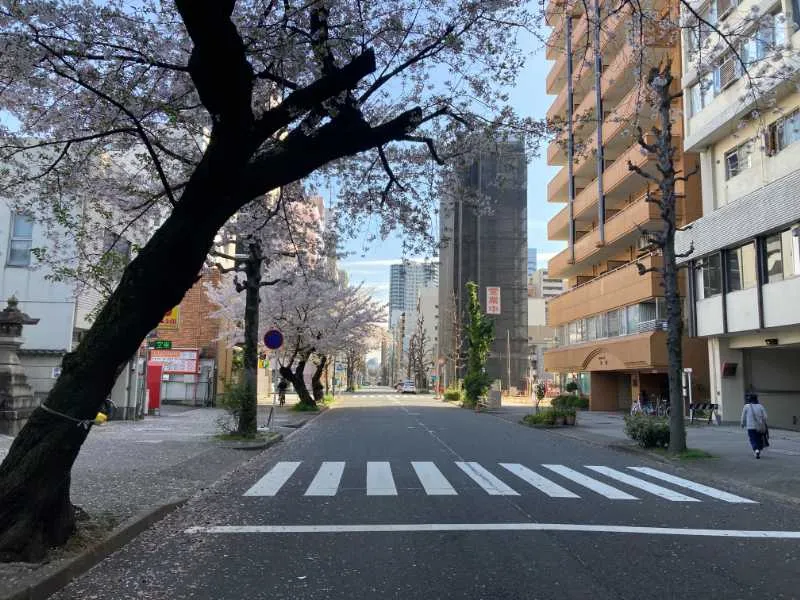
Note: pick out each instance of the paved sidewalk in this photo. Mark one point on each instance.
(127, 467)
(778, 470)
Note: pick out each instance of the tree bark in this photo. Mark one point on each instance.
(248, 410)
(317, 386)
(298, 382)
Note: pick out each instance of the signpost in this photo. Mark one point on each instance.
(273, 339)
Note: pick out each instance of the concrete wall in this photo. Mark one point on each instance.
(728, 392)
(780, 302)
(742, 310)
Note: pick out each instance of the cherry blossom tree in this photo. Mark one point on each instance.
(279, 233)
(213, 104)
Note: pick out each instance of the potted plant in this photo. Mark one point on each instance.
(571, 387)
(569, 416)
(559, 418)
(539, 390)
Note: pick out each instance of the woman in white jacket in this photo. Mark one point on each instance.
(754, 419)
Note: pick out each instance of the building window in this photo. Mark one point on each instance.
(782, 258)
(741, 267)
(613, 323)
(632, 319)
(19, 251)
(709, 276)
(738, 159)
(782, 133)
(116, 252)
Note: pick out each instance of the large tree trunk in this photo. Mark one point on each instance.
(316, 379)
(35, 509)
(248, 410)
(298, 382)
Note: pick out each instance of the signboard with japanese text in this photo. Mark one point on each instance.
(492, 300)
(170, 320)
(176, 361)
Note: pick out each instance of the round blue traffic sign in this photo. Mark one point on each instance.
(273, 339)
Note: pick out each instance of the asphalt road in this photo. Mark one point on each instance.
(389, 496)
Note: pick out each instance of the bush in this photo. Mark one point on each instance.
(571, 387)
(231, 401)
(452, 395)
(327, 399)
(648, 431)
(302, 407)
(545, 417)
(568, 401)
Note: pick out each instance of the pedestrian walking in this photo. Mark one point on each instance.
(754, 419)
(282, 386)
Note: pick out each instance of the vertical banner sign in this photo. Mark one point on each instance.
(170, 320)
(492, 300)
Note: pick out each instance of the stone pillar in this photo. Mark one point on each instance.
(16, 397)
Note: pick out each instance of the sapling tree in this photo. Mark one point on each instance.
(479, 334)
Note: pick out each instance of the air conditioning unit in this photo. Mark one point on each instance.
(727, 72)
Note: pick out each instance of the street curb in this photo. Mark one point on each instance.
(253, 445)
(93, 556)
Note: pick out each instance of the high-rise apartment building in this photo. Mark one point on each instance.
(746, 247)
(487, 244)
(610, 322)
(405, 282)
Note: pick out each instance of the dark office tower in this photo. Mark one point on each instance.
(483, 223)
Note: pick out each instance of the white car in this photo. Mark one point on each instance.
(408, 387)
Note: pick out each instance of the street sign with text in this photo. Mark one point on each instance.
(160, 344)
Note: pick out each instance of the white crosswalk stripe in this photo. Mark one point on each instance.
(542, 483)
(326, 481)
(490, 483)
(663, 492)
(380, 481)
(273, 481)
(432, 480)
(594, 485)
(694, 486)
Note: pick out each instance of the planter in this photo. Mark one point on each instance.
(569, 420)
(559, 421)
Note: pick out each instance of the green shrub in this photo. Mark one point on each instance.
(564, 401)
(231, 401)
(327, 399)
(571, 387)
(302, 407)
(452, 395)
(545, 417)
(648, 431)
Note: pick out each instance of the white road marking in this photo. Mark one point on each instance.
(379, 479)
(442, 527)
(273, 481)
(326, 481)
(541, 483)
(490, 483)
(695, 487)
(432, 480)
(594, 485)
(663, 492)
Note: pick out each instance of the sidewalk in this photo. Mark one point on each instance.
(778, 471)
(128, 467)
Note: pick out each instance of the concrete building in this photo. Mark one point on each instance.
(488, 247)
(746, 258)
(609, 322)
(540, 285)
(405, 281)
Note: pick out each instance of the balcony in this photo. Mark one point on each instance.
(622, 230)
(613, 289)
(555, 42)
(640, 351)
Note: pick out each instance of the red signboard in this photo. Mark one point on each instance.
(492, 300)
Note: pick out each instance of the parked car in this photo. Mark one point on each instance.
(408, 387)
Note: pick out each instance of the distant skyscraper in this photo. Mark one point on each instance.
(531, 261)
(490, 250)
(405, 281)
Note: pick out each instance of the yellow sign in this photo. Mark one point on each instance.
(170, 320)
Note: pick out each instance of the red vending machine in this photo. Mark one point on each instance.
(154, 372)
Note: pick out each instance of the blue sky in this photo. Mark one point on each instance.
(371, 266)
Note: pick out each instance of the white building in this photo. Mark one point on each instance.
(542, 286)
(744, 293)
(64, 309)
(428, 298)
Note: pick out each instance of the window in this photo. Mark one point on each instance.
(116, 252)
(738, 159)
(591, 328)
(19, 252)
(613, 323)
(633, 319)
(782, 259)
(702, 93)
(741, 267)
(709, 278)
(787, 131)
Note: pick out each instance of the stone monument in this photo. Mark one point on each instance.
(16, 397)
